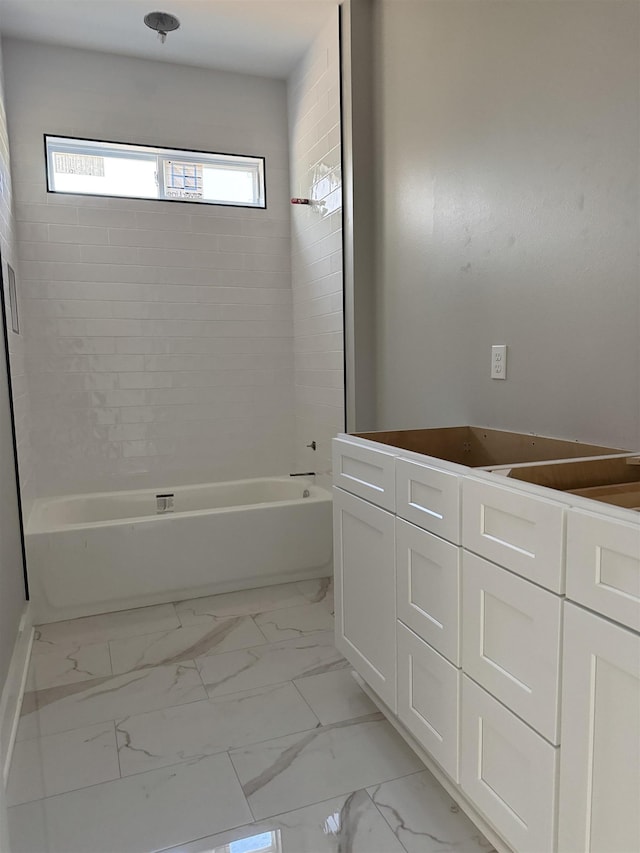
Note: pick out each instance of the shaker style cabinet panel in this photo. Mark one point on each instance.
(522, 532)
(364, 556)
(508, 772)
(603, 565)
(600, 755)
(366, 472)
(511, 635)
(428, 699)
(429, 497)
(428, 575)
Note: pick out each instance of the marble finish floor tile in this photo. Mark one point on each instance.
(302, 769)
(346, 824)
(271, 664)
(165, 737)
(68, 665)
(320, 590)
(43, 767)
(106, 626)
(180, 644)
(59, 709)
(246, 602)
(335, 696)
(138, 814)
(294, 622)
(425, 818)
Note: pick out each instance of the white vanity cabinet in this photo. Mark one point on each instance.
(600, 756)
(461, 600)
(365, 590)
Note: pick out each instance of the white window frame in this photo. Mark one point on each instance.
(158, 154)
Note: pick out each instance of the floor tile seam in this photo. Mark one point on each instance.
(268, 645)
(258, 821)
(107, 639)
(114, 719)
(260, 631)
(251, 613)
(382, 815)
(133, 776)
(341, 794)
(304, 699)
(235, 773)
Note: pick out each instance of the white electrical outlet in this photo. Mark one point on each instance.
(499, 361)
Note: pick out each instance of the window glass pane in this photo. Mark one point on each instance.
(229, 184)
(105, 176)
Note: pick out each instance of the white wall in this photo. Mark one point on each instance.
(159, 334)
(508, 160)
(316, 263)
(12, 597)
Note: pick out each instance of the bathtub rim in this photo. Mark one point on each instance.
(34, 526)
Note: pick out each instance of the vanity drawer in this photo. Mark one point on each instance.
(428, 698)
(428, 587)
(511, 639)
(366, 472)
(508, 771)
(603, 565)
(522, 532)
(429, 497)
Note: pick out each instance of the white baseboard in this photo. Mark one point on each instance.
(13, 692)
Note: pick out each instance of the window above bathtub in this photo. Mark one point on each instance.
(90, 167)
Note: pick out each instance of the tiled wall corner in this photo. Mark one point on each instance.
(316, 264)
(160, 347)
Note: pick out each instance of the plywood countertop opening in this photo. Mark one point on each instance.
(479, 447)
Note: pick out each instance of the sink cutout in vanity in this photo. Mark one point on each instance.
(611, 481)
(477, 447)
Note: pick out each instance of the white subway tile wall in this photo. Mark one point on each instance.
(159, 335)
(316, 260)
(16, 341)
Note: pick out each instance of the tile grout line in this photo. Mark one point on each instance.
(246, 799)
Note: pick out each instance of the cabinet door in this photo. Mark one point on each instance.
(524, 533)
(428, 699)
(428, 572)
(508, 772)
(600, 760)
(366, 472)
(511, 633)
(603, 565)
(364, 554)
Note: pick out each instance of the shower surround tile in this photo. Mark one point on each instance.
(271, 664)
(160, 738)
(185, 643)
(425, 818)
(342, 824)
(246, 602)
(301, 769)
(44, 767)
(71, 706)
(138, 814)
(335, 696)
(294, 622)
(105, 627)
(68, 665)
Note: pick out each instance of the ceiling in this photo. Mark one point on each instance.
(265, 37)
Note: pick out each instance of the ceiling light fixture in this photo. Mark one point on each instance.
(162, 23)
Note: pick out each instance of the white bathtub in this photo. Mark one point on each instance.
(99, 552)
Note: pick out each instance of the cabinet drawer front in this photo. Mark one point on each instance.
(508, 771)
(603, 565)
(428, 699)
(367, 473)
(428, 575)
(600, 755)
(365, 626)
(522, 532)
(429, 497)
(511, 641)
